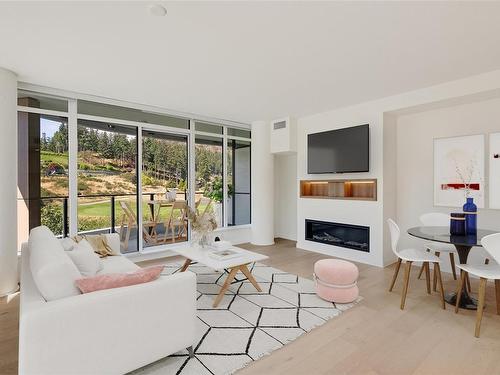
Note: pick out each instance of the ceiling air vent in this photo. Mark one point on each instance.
(279, 125)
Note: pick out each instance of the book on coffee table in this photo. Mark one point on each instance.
(224, 254)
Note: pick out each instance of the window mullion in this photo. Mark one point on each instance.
(73, 166)
(224, 177)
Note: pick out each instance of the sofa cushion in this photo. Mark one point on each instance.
(117, 264)
(67, 243)
(53, 271)
(119, 280)
(87, 262)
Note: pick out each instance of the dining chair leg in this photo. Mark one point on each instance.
(421, 271)
(395, 276)
(422, 268)
(427, 276)
(480, 305)
(497, 294)
(434, 282)
(452, 262)
(467, 282)
(437, 269)
(459, 290)
(405, 287)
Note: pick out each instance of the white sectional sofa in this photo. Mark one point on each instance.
(105, 332)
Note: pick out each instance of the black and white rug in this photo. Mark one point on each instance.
(247, 324)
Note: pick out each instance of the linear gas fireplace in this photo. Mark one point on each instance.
(354, 237)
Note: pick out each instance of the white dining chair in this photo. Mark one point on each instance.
(437, 219)
(485, 272)
(410, 256)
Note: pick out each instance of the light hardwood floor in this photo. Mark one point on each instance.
(374, 337)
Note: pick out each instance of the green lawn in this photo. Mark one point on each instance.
(103, 209)
(52, 157)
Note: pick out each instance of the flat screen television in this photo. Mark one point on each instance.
(345, 150)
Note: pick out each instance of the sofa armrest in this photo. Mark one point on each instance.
(110, 331)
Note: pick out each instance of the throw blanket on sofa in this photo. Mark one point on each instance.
(98, 242)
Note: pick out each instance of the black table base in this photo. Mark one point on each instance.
(466, 301)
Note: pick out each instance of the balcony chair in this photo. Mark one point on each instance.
(176, 220)
(129, 221)
(410, 256)
(203, 201)
(491, 245)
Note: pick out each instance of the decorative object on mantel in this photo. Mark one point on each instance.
(494, 180)
(459, 168)
(470, 211)
(202, 225)
(457, 224)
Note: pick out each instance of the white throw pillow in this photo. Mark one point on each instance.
(68, 243)
(53, 271)
(85, 259)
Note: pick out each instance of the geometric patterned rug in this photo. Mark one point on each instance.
(247, 324)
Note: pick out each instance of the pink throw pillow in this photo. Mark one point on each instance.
(118, 280)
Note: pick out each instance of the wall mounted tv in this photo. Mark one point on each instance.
(345, 150)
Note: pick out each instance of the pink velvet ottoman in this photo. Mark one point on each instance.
(336, 280)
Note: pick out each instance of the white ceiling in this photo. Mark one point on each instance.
(247, 61)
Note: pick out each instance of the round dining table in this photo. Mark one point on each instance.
(463, 244)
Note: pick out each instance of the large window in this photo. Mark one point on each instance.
(79, 162)
(209, 174)
(43, 171)
(238, 184)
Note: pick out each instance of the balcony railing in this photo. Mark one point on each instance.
(112, 211)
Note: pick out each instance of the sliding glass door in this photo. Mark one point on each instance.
(107, 181)
(164, 188)
(238, 184)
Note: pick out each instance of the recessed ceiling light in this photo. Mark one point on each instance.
(157, 10)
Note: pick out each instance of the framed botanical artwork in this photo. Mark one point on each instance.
(459, 170)
(494, 180)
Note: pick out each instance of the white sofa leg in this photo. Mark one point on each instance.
(191, 351)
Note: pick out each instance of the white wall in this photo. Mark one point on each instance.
(389, 181)
(379, 114)
(415, 135)
(8, 186)
(285, 196)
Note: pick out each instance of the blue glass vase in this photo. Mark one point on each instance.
(470, 211)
